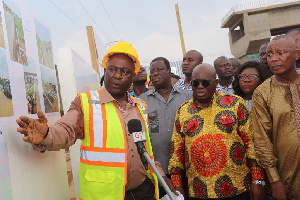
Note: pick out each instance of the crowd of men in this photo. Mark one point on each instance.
(210, 136)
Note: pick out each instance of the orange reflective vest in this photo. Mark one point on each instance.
(103, 151)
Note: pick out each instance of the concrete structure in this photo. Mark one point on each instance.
(253, 23)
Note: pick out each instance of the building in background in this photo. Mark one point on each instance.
(251, 24)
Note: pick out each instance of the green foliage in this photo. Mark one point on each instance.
(19, 28)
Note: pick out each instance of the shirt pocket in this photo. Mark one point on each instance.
(100, 184)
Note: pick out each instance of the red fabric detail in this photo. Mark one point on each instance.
(245, 138)
(226, 120)
(226, 189)
(180, 153)
(227, 100)
(240, 113)
(192, 125)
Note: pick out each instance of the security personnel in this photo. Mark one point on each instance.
(110, 166)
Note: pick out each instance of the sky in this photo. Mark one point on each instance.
(3, 66)
(42, 31)
(15, 7)
(150, 26)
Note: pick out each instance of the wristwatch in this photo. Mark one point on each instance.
(259, 182)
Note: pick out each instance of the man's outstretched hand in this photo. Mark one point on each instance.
(34, 130)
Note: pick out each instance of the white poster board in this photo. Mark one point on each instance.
(75, 76)
(27, 83)
(101, 51)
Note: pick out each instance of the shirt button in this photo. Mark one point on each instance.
(168, 130)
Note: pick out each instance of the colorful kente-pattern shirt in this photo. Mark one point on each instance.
(215, 147)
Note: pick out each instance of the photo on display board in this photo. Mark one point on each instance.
(44, 45)
(2, 43)
(15, 32)
(31, 87)
(49, 90)
(6, 108)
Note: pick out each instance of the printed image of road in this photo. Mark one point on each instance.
(32, 93)
(49, 89)
(31, 87)
(50, 97)
(44, 45)
(15, 35)
(2, 43)
(6, 105)
(6, 108)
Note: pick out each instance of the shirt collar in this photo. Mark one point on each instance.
(106, 97)
(216, 94)
(220, 86)
(153, 91)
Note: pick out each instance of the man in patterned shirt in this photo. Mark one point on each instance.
(213, 142)
(190, 60)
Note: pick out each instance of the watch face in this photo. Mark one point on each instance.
(259, 182)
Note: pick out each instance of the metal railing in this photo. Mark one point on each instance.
(254, 5)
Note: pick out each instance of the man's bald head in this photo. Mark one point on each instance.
(208, 69)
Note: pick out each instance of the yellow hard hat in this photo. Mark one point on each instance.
(122, 48)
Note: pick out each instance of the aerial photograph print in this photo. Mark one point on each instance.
(6, 108)
(15, 32)
(49, 90)
(31, 87)
(44, 45)
(2, 42)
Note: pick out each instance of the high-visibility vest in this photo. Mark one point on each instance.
(103, 150)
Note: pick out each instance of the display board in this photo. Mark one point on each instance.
(27, 84)
(101, 51)
(75, 76)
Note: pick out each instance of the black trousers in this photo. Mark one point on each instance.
(243, 196)
(145, 191)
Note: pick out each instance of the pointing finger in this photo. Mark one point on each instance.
(42, 117)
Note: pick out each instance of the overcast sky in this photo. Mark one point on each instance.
(151, 26)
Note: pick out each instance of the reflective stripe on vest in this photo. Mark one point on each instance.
(102, 156)
(97, 120)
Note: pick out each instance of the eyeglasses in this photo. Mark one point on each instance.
(251, 77)
(204, 83)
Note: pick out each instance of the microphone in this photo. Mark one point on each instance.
(139, 136)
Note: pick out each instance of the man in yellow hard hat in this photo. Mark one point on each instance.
(110, 166)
